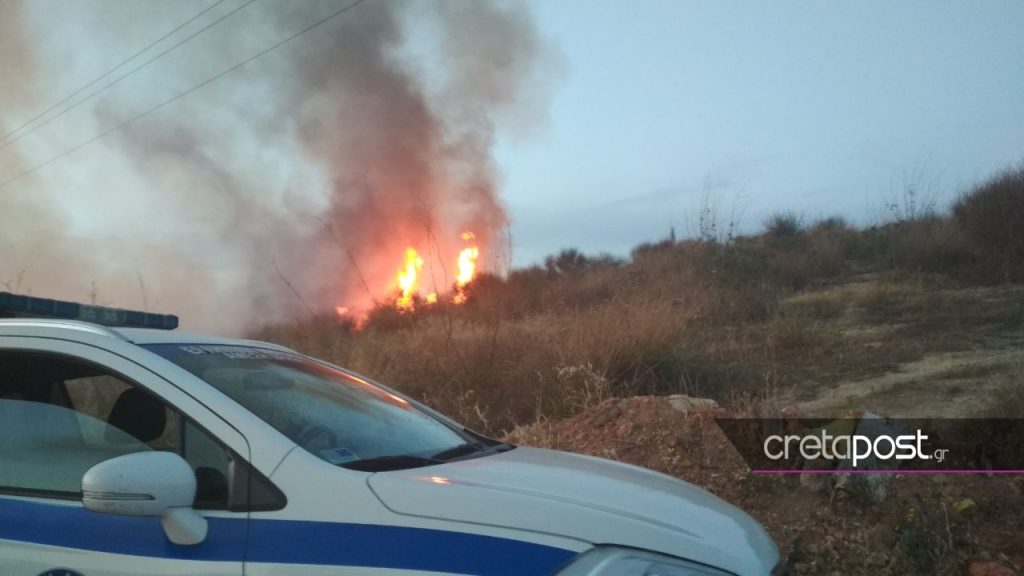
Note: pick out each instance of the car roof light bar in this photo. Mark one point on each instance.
(21, 306)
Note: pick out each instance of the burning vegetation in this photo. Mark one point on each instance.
(409, 276)
(362, 176)
(411, 286)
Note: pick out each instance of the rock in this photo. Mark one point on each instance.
(964, 506)
(868, 488)
(687, 404)
(989, 569)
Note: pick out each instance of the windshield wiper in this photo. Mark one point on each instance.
(406, 461)
(467, 449)
(385, 463)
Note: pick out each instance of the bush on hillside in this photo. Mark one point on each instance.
(933, 244)
(992, 216)
(784, 225)
(572, 262)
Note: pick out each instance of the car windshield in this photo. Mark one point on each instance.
(337, 416)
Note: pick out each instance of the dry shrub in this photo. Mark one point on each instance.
(784, 225)
(762, 401)
(992, 217)
(492, 373)
(581, 387)
(788, 258)
(934, 244)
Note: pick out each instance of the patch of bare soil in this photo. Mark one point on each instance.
(927, 524)
(914, 349)
(940, 385)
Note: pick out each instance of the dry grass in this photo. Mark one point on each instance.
(991, 217)
(492, 372)
(741, 321)
(1008, 399)
(897, 301)
(815, 306)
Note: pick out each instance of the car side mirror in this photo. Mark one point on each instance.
(159, 484)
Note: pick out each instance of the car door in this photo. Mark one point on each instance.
(65, 407)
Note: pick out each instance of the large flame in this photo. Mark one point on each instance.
(467, 262)
(467, 268)
(408, 279)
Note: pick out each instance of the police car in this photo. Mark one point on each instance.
(128, 447)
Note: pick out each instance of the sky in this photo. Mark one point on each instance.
(755, 107)
(603, 124)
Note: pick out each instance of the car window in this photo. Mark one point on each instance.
(48, 447)
(60, 416)
(336, 416)
(97, 396)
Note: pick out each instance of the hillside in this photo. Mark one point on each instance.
(919, 316)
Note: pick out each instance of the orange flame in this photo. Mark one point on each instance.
(408, 279)
(467, 265)
(467, 268)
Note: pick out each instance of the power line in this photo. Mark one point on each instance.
(111, 71)
(180, 95)
(95, 93)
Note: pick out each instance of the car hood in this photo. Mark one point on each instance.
(590, 499)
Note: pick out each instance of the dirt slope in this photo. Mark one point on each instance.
(915, 531)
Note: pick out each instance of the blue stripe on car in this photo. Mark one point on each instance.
(282, 541)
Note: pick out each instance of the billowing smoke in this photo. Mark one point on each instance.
(24, 217)
(292, 185)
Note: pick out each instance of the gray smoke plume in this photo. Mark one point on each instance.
(292, 185)
(22, 216)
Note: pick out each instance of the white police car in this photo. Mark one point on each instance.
(148, 451)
